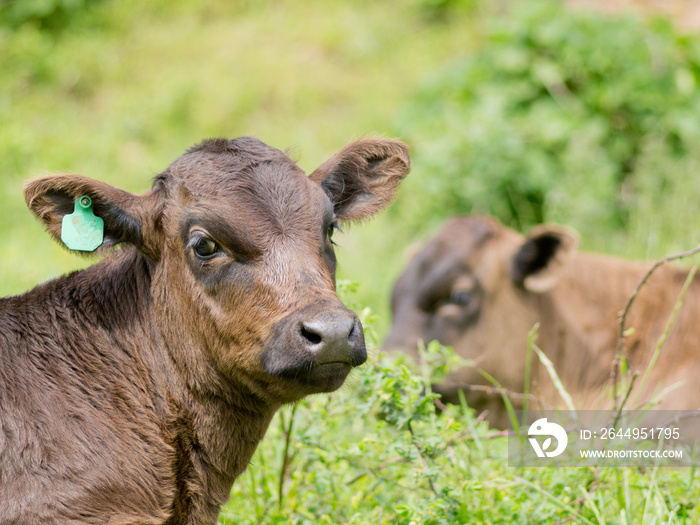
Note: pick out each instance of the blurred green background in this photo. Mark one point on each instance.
(528, 110)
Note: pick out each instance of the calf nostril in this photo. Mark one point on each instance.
(310, 336)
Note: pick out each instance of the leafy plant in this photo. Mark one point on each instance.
(377, 452)
(47, 14)
(562, 115)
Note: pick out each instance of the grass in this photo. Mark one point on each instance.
(376, 452)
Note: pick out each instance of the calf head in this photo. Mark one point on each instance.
(475, 287)
(239, 245)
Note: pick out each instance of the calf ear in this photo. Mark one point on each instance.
(537, 264)
(362, 179)
(124, 214)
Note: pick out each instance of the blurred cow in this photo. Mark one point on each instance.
(481, 287)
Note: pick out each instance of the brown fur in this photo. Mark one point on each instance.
(515, 282)
(136, 391)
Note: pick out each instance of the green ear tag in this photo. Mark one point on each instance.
(82, 230)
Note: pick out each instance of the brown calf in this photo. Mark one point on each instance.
(480, 287)
(135, 391)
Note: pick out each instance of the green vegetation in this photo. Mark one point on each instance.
(530, 113)
(377, 453)
(568, 117)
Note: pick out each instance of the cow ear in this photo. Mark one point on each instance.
(538, 262)
(127, 218)
(362, 179)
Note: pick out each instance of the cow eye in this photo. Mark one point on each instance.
(205, 248)
(459, 298)
(332, 228)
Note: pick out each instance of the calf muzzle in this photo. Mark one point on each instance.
(316, 348)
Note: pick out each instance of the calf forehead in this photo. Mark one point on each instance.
(245, 177)
(220, 167)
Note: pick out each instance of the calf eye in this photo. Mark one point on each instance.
(205, 248)
(331, 228)
(459, 298)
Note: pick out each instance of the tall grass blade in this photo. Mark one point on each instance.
(667, 330)
(531, 338)
(591, 505)
(580, 518)
(506, 400)
(549, 366)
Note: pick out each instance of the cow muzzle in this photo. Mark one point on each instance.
(316, 348)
